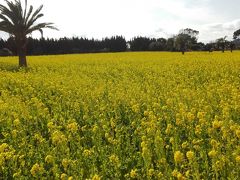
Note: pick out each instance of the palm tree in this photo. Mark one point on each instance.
(19, 22)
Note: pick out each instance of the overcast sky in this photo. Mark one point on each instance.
(152, 18)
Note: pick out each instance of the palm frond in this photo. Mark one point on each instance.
(20, 21)
(40, 26)
(13, 11)
(34, 15)
(6, 27)
(6, 19)
(25, 10)
(32, 21)
(28, 14)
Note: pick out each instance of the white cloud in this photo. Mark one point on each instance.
(101, 18)
(210, 32)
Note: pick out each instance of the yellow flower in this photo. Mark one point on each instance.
(187, 173)
(146, 113)
(73, 127)
(214, 143)
(218, 165)
(217, 124)
(238, 133)
(36, 170)
(179, 121)
(180, 176)
(16, 122)
(87, 152)
(156, 105)
(184, 145)
(113, 123)
(200, 115)
(49, 159)
(144, 138)
(135, 108)
(107, 135)
(233, 127)
(65, 163)
(169, 102)
(50, 125)
(202, 121)
(85, 117)
(198, 129)
(212, 153)
(171, 140)
(2, 160)
(190, 116)
(174, 173)
(237, 159)
(16, 175)
(133, 173)
(70, 178)
(4, 147)
(114, 159)
(96, 177)
(38, 138)
(190, 155)
(95, 128)
(162, 161)
(58, 138)
(63, 176)
(150, 172)
(178, 157)
(14, 133)
(164, 108)
(22, 163)
(168, 129)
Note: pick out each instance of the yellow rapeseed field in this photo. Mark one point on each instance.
(121, 116)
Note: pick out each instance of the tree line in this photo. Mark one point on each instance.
(19, 21)
(65, 45)
(185, 40)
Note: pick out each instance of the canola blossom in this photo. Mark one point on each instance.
(121, 116)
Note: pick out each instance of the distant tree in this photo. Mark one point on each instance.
(158, 44)
(185, 39)
(154, 46)
(19, 22)
(236, 39)
(209, 47)
(10, 44)
(140, 44)
(170, 44)
(115, 44)
(232, 46)
(198, 46)
(222, 43)
(236, 34)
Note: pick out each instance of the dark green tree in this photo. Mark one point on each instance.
(222, 43)
(170, 44)
(236, 40)
(19, 22)
(232, 46)
(140, 43)
(158, 45)
(185, 39)
(236, 34)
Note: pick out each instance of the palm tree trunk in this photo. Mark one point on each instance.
(22, 51)
(22, 58)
